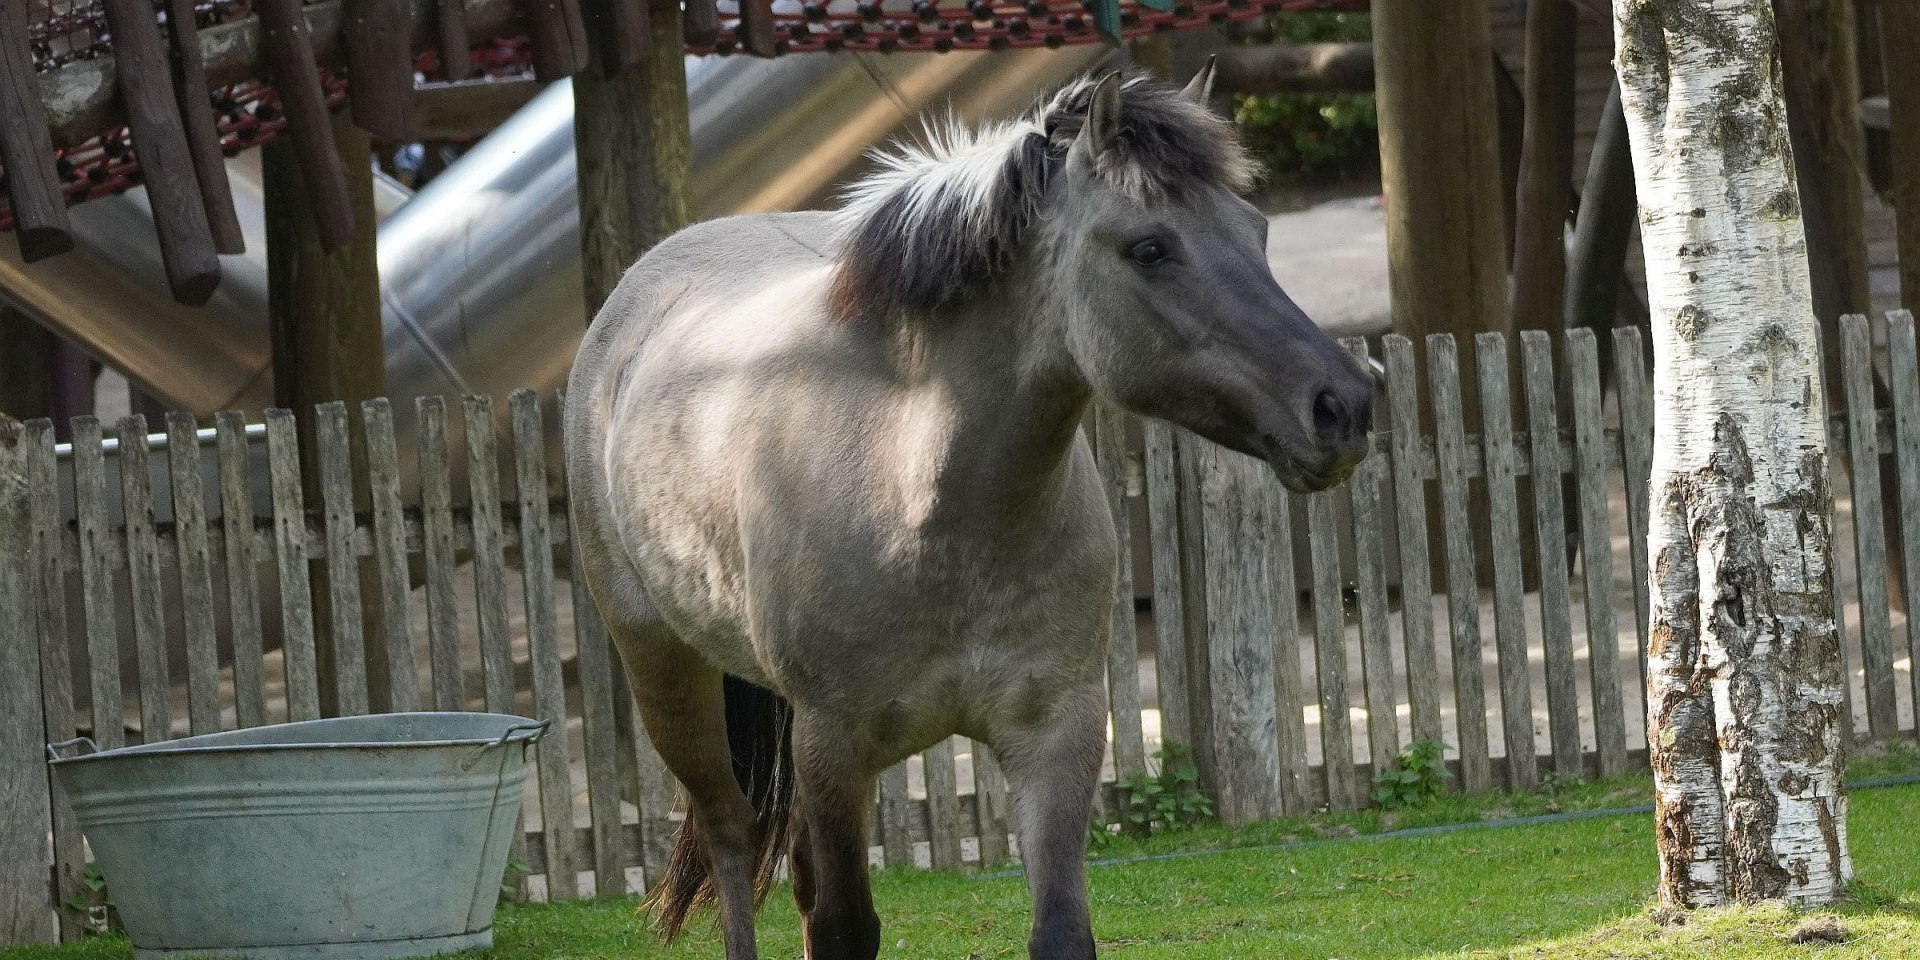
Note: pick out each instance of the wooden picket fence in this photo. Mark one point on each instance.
(1274, 616)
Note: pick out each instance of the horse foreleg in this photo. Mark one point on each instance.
(830, 850)
(1053, 769)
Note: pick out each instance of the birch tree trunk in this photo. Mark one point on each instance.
(1744, 669)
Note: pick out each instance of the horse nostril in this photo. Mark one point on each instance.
(1331, 421)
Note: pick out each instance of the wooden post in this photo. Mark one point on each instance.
(1899, 37)
(1546, 170)
(324, 313)
(26, 148)
(634, 147)
(1608, 206)
(1821, 70)
(26, 366)
(380, 66)
(26, 913)
(330, 201)
(203, 137)
(1439, 163)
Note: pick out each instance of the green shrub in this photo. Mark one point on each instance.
(1305, 136)
(1166, 798)
(1420, 774)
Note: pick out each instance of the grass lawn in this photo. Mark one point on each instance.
(1573, 889)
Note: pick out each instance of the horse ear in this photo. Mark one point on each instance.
(1103, 117)
(1200, 88)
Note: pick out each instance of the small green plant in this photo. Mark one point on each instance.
(1556, 784)
(510, 880)
(1312, 136)
(95, 903)
(1420, 774)
(1165, 798)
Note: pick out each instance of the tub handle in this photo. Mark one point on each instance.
(53, 749)
(518, 733)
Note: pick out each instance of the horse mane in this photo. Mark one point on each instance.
(939, 218)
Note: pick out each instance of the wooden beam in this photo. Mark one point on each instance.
(379, 37)
(203, 135)
(454, 111)
(1296, 68)
(1821, 70)
(81, 101)
(1546, 170)
(291, 65)
(634, 147)
(33, 184)
(1596, 266)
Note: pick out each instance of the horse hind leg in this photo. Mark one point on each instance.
(830, 848)
(1052, 769)
(721, 849)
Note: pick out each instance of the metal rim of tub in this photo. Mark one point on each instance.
(163, 815)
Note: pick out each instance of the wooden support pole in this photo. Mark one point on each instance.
(702, 25)
(634, 148)
(560, 47)
(1899, 38)
(1546, 170)
(626, 38)
(1596, 267)
(203, 137)
(26, 150)
(1296, 68)
(756, 27)
(456, 45)
(289, 55)
(153, 113)
(323, 309)
(26, 366)
(379, 35)
(1821, 69)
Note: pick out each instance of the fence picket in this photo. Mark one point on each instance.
(143, 582)
(943, 805)
(543, 644)
(1330, 649)
(1869, 534)
(343, 568)
(56, 684)
(1550, 536)
(195, 569)
(489, 563)
(1123, 644)
(1190, 522)
(436, 522)
(990, 803)
(1463, 593)
(25, 915)
(290, 561)
(243, 588)
(1509, 616)
(1162, 463)
(1410, 515)
(1596, 551)
(96, 584)
(1904, 375)
(896, 837)
(598, 729)
(1289, 697)
(1239, 635)
(1635, 397)
(390, 555)
(1370, 588)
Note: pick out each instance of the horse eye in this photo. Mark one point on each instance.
(1148, 252)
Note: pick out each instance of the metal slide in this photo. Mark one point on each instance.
(480, 272)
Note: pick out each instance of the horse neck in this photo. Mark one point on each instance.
(1015, 400)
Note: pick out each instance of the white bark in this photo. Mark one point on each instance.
(1744, 667)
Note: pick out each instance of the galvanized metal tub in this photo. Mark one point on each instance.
(358, 838)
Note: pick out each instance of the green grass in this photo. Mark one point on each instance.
(1571, 889)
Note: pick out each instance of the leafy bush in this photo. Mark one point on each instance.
(1420, 775)
(1167, 797)
(1312, 135)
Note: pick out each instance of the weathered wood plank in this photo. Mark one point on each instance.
(1463, 592)
(243, 587)
(943, 806)
(1635, 397)
(343, 568)
(25, 915)
(1904, 378)
(1123, 645)
(1239, 636)
(895, 827)
(1596, 550)
(1370, 588)
(390, 555)
(1193, 458)
(489, 564)
(143, 581)
(990, 799)
(1410, 514)
(56, 684)
(26, 151)
(195, 569)
(1297, 795)
(1550, 536)
(1869, 534)
(1330, 659)
(290, 560)
(437, 536)
(543, 641)
(96, 584)
(1509, 616)
(1169, 617)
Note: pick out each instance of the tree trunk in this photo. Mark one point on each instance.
(1744, 667)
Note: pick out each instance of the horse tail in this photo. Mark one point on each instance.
(760, 738)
